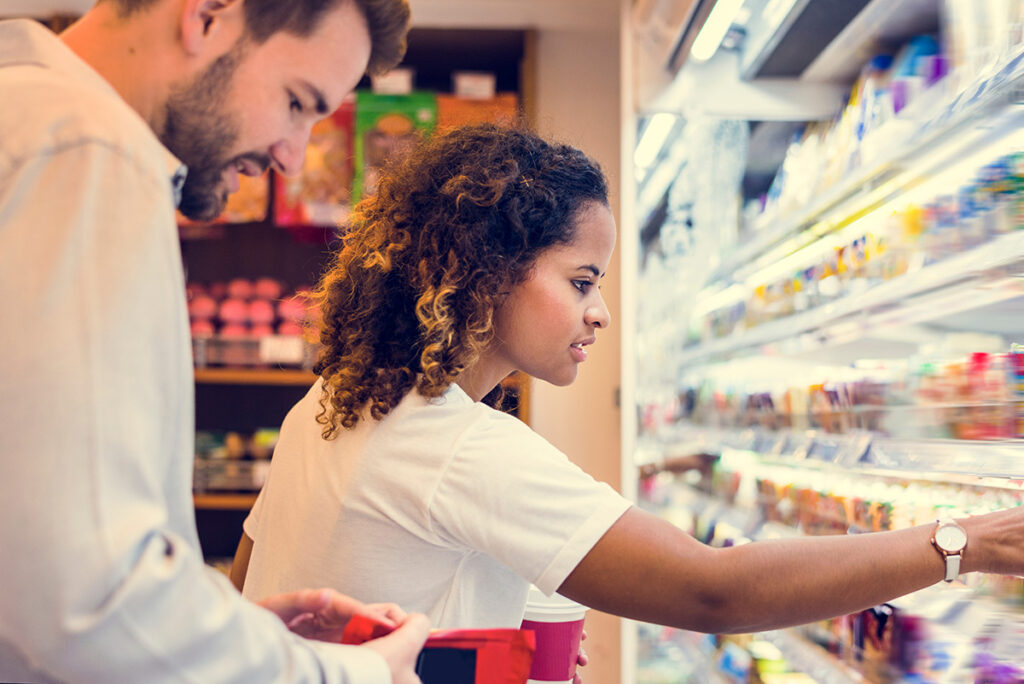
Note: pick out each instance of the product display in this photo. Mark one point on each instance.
(231, 461)
(850, 348)
(453, 110)
(321, 194)
(387, 125)
(249, 323)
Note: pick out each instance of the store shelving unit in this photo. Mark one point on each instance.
(225, 502)
(928, 150)
(967, 281)
(254, 376)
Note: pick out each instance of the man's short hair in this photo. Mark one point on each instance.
(387, 20)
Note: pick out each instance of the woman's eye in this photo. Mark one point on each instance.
(294, 104)
(582, 285)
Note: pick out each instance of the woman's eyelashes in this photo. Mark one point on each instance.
(294, 104)
(582, 285)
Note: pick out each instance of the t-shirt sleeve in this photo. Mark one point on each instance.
(509, 493)
(251, 524)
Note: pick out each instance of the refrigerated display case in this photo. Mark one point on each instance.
(847, 344)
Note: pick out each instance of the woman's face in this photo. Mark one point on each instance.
(546, 323)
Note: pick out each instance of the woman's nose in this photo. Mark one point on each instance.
(597, 315)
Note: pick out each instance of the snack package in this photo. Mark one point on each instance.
(321, 194)
(387, 126)
(461, 656)
(454, 111)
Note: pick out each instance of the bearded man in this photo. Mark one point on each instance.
(140, 106)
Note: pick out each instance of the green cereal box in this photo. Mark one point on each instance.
(387, 126)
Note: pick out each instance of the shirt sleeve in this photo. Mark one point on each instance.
(509, 493)
(251, 524)
(99, 582)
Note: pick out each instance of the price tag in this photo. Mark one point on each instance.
(801, 444)
(281, 349)
(853, 447)
(825, 449)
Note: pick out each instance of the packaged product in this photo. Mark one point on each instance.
(321, 194)
(453, 111)
(387, 126)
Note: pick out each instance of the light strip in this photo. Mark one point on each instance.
(653, 138)
(714, 29)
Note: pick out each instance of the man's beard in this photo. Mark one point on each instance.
(198, 131)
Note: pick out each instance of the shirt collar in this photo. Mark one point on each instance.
(26, 41)
(178, 172)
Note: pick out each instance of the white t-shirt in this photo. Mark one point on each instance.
(446, 507)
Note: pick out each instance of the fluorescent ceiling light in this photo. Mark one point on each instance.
(714, 29)
(653, 138)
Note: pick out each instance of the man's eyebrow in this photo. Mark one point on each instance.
(318, 96)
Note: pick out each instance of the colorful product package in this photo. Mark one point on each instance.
(321, 194)
(1016, 381)
(453, 111)
(387, 126)
(461, 656)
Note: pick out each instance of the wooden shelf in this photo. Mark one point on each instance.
(520, 383)
(225, 501)
(255, 376)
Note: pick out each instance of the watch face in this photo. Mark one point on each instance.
(950, 538)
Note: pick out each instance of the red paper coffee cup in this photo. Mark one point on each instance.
(557, 624)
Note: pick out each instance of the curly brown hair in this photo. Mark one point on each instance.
(411, 295)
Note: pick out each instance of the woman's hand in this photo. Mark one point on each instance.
(581, 660)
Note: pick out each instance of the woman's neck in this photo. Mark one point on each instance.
(478, 384)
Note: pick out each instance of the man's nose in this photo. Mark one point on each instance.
(289, 153)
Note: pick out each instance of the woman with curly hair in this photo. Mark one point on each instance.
(395, 480)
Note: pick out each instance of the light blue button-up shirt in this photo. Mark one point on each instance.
(101, 576)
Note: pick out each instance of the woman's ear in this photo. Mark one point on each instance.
(204, 24)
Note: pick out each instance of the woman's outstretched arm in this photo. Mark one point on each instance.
(647, 569)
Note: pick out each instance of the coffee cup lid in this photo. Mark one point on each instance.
(556, 605)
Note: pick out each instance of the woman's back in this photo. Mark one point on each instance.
(445, 506)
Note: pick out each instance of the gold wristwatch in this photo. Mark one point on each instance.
(950, 539)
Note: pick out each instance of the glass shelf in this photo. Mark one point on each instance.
(995, 463)
(987, 274)
(807, 657)
(925, 138)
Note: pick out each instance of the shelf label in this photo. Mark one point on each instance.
(281, 349)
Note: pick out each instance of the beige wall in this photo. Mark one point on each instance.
(575, 97)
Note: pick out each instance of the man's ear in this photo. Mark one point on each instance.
(203, 22)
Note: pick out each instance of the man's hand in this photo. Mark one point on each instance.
(322, 614)
(402, 646)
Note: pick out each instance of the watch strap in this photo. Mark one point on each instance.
(952, 567)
